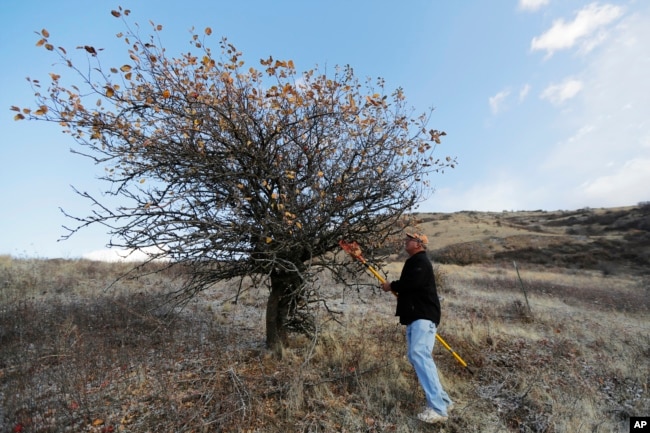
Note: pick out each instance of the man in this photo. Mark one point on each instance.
(418, 307)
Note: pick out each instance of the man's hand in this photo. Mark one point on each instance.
(386, 286)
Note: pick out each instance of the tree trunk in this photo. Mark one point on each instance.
(284, 287)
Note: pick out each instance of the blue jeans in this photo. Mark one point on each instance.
(420, 337)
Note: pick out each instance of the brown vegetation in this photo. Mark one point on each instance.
(612, 241)
(77, 357)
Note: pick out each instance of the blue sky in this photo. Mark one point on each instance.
(545, 102)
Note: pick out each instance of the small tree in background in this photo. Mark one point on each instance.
(231, 171)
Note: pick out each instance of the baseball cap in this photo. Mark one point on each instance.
(421, 238)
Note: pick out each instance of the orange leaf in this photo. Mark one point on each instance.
(45, 33)
(110, 92)
(40, 42)
(116, 14)
(372, 101)
(98, 421)
(14, 108)
(166, 93)
(353, 105)
(125, 68)
(19, 117)
(208, 31)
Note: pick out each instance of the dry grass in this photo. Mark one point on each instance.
(114, 361)
(75, 357)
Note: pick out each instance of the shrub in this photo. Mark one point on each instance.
(462, 254)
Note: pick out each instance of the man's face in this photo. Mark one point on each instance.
(411, 246)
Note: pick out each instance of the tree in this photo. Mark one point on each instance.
(230, 171)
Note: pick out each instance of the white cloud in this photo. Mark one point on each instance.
(115, 255)
(497, 193)
(596, 155)
(625, 186)
(497, 101)
(532, 5)
(605, 160)
(587, 27)
(557, 94)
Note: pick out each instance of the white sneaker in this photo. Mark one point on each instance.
(431, 416)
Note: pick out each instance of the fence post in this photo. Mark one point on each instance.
(523, 289)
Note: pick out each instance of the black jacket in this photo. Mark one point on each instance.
(417, 297)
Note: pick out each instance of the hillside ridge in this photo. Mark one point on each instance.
(612, 240)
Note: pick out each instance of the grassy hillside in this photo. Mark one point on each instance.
(560, 344)
(615, 240)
